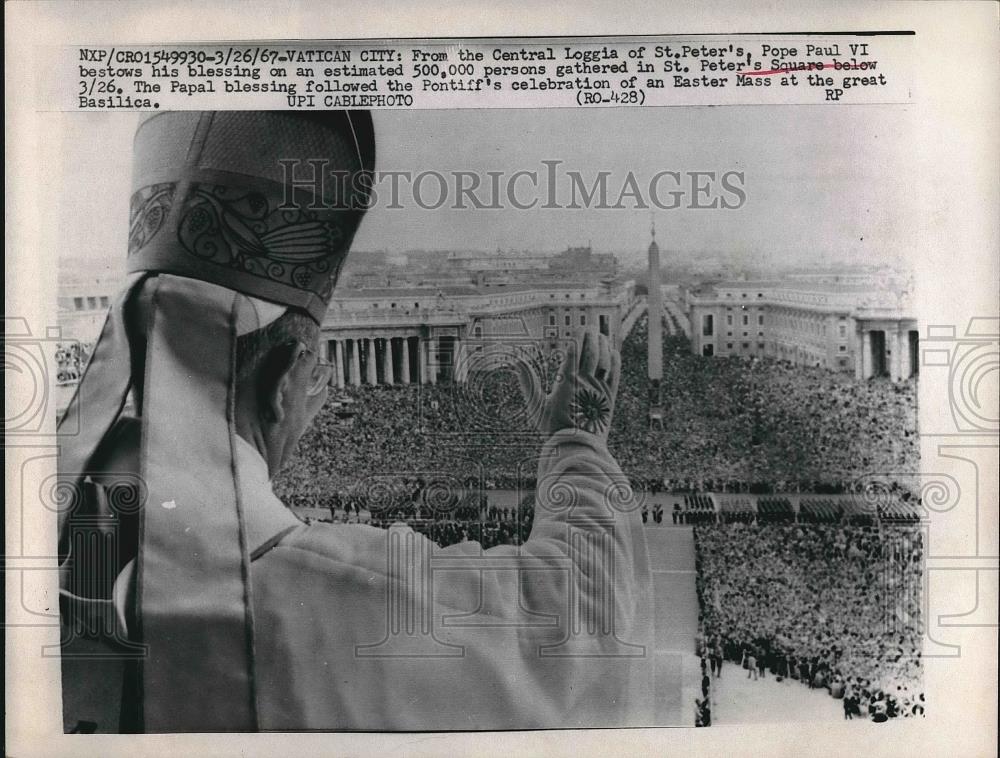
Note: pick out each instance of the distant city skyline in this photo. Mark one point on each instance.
(628, 259)
(821, 183)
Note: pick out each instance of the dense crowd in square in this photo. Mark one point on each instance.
(730, 424)
(833, 607)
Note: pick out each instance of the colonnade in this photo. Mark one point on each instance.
(383, 360)
(886, 350)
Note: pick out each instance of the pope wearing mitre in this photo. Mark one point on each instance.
(229, 612)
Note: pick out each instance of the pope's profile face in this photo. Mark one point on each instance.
(309, 382)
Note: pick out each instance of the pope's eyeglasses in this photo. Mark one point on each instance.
(321, 374)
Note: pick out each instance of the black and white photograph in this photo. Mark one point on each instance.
(368, 414)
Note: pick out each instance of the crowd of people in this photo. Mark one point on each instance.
(758, 425)
(473, 519)
(472, 432)
(703, 704)
(445, 518)
(71, 359)
(858, 510)
(730, 425)
(834, 607)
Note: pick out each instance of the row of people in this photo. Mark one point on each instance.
(486, 524)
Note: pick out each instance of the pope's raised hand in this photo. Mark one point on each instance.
(584, 391)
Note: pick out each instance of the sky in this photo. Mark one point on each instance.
(821, 182)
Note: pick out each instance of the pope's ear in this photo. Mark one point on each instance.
(274, 381)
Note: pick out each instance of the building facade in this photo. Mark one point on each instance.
(83, 303)
(858, 327)
(428, 335)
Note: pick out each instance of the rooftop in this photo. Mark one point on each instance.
(463, 290)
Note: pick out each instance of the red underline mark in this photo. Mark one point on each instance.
(808, 67)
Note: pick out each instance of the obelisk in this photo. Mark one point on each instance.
(655, 315)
